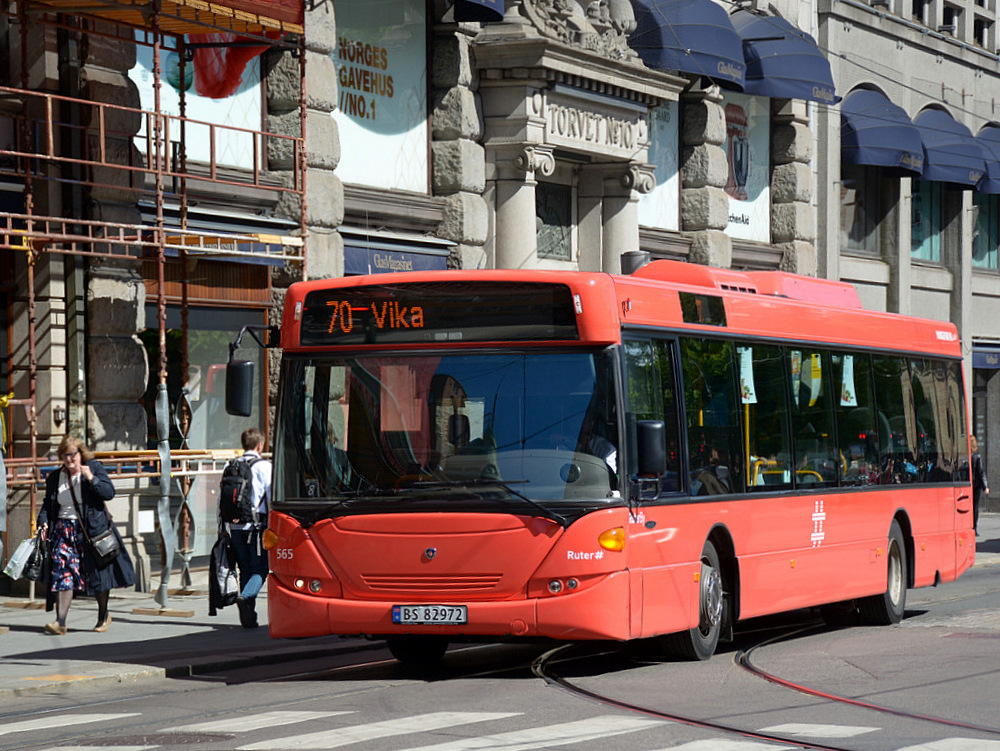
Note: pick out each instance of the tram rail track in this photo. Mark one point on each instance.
(544, 667)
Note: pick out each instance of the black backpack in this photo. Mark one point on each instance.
(236, 492)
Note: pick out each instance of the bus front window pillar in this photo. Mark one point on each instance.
(516, 231)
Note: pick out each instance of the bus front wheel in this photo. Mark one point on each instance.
(888, 607)
(700, 642)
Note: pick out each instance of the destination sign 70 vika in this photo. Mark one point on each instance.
(388, 314)
(420, 312)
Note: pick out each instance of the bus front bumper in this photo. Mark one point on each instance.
(599, 612)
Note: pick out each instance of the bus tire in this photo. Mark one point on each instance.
(699, 643)
(417, 651)
(888, 607)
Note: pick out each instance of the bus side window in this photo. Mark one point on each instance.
(958, 426)
(930, 386)
(765, 413)
(857, 430)
(817, 459)
(652, 395)
(712, 412)
(897, 424)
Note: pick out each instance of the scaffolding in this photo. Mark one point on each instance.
(40, 146)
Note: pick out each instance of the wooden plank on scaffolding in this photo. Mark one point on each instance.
(192, 16)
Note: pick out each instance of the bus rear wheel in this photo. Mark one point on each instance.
(888, 607)
(417, 651)
(699, 643)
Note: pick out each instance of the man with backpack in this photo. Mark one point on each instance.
(244, 494)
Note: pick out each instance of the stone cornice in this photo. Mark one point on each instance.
(504, 60)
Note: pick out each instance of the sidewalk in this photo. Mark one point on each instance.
(143, 643)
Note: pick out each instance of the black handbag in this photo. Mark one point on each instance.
(34, 568)
(104, 546)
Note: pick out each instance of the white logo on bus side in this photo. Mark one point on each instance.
(818, 518)
(573, 555)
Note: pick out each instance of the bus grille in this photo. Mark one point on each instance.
(417, 583)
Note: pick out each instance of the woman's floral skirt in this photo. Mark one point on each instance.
(67, 550)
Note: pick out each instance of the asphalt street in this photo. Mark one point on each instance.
(147, 642)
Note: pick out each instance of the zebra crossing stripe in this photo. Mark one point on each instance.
(343, 736)
(818, 731)
(956, 744)
(100, 748)
(722, 745)
(255, 721)
(548, 736)
(61, 720)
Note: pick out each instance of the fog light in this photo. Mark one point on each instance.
(300, 583)
(555, 586)
(572, 584)
(612, 539)
(315, 586)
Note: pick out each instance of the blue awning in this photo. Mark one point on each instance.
(692, 36)
(876, 132)
(479, 10)
(782, 61)
(989, 140)
(951, 154)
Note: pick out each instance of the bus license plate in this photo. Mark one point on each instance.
(446, 615)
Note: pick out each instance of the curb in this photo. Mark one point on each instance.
(182, 669)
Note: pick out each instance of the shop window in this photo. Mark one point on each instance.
(381, 61)
(748, 152)
(986, 237)
(210, 330)
(983, 32)
(926, 207)
(554, 220)
(859, 209)
(660, 208)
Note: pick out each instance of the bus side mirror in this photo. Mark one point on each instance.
(651, 440)
(239, 387)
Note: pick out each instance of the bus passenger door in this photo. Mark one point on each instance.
(662, 598)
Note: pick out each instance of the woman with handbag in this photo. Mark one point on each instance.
(73, 517)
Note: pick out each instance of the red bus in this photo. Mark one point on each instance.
(490, 454)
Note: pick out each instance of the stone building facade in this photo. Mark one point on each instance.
(558, 134)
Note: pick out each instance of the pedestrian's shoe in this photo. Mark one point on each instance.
(248, 618)
(55, 629)
(102, 627)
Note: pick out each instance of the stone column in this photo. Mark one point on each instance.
(621, 212)
(793, 217)
(117, 369)
(897, 255)
(704, 167)
(516, 232)
(324, 248)
(457, 157)
(958, 259)
(590, 219)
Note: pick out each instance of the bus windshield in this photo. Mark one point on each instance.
(523, 432)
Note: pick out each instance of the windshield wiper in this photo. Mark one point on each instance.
(506, 485)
